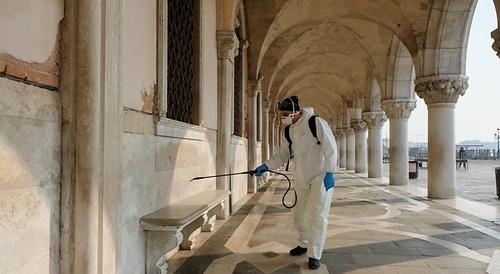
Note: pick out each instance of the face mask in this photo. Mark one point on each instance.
(287, 120)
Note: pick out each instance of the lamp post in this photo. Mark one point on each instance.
(497, 138)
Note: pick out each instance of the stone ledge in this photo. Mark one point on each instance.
(175, 129)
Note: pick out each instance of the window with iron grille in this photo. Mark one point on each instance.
(238, 90)
(183, 60)
(258, 117)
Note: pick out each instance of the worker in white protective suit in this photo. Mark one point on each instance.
(314, 156)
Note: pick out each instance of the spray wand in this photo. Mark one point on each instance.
(252, 172)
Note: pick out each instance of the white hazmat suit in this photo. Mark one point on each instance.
(311, 162)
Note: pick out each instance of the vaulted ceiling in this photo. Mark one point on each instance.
(328, 51)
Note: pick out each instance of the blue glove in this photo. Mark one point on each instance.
(261, 169)
(329, 181)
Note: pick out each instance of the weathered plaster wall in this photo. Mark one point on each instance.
(139, 54)
(29, 48)
(209, 64)
(29, 28)
(30, 176)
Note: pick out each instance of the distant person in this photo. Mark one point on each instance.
(461, 153)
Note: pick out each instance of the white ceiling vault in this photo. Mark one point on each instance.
(329, 52)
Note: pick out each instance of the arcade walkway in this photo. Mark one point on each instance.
(374, 229)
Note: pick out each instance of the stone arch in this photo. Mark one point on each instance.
(400, 73)
(445, 48)
(497, 8)
(227, 11)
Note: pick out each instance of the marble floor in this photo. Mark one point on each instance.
(374, 228)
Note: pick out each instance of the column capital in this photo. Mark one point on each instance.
(265, 105)
(374, 119)
(338, 132)
(254, 87)
(496, 41)
(358, 125)
(227, 44)
(441, 88)
(398, 108)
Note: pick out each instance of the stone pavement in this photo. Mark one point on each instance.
(476, 184)
(374, 228)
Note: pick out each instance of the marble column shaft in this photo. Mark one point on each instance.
(360, 142)
(398, 111)
(227, 49)
(375, 121)
(252, 91)
(342, 148)
(91, 110)
(441, 93)
(350, 149)
(265, 130)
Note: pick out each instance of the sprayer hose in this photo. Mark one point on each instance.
(286, 192)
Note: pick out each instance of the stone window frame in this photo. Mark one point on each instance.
(165, 126)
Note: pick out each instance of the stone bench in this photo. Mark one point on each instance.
(175, 226)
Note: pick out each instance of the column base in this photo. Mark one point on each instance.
(398, 181)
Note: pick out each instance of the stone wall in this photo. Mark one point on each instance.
(159, 160)
(156, 172)
(30, 175)
(139, 54)
(239, 162)
(30, 136)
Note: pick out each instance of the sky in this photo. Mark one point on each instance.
(477, 113)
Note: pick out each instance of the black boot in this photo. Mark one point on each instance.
(313, 263)
(298, 251)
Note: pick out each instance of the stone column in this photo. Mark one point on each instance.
(265, 129)
(277, 135)
(375, 121)
(350, 148)
(360, 142)
(271, 132)
(227, 49)
(342, 148)
(441, 93)
(398, 111)
(252, 91)
(91, 139)
(337, 134)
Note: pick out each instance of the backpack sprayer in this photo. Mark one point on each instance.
(251, 172)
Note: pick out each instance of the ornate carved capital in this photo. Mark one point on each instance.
(227, 45)
(339, 133)
(254, 87)
(265, 105)
(358, 125)
(398, 108)
(374, 119)
(441, 88)
(496, 41)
